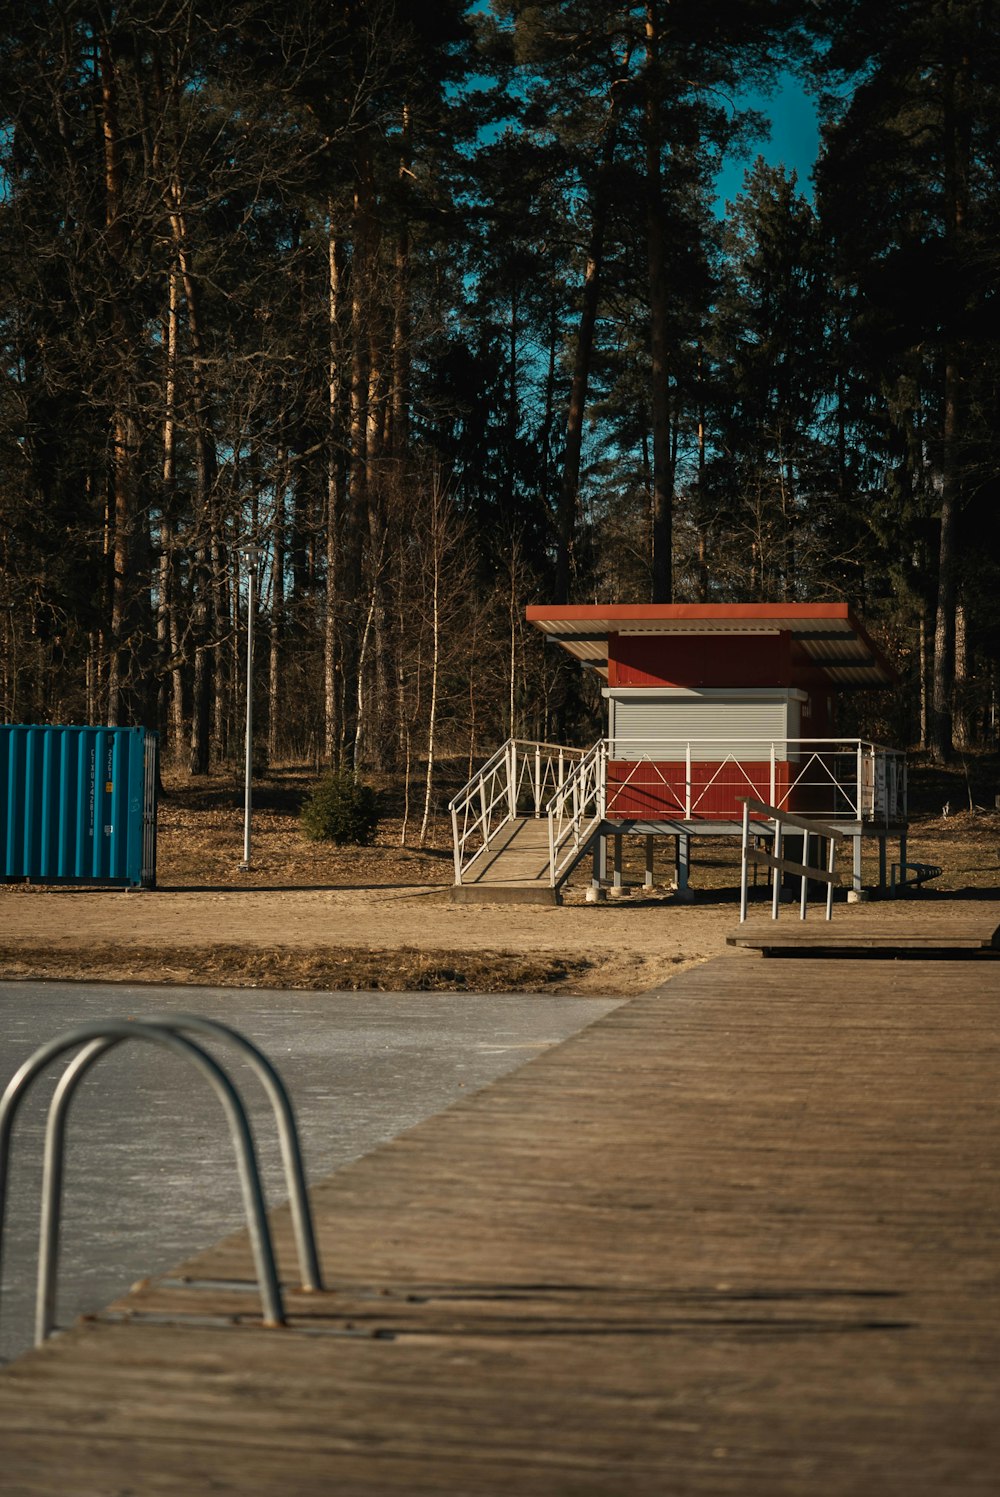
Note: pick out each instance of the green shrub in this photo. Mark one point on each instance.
(341, 809)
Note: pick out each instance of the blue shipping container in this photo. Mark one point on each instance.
(78, 805)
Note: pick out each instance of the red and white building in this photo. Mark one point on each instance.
(707, 704)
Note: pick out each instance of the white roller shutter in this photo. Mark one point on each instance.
(716, 726)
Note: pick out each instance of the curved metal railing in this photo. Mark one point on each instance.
(98, 1038)
(287, 1128)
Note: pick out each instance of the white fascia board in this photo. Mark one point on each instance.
(681, 628)
(708, 693)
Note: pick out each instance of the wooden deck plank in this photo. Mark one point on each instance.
(734, 1238)
(895, 926)
(519, 855)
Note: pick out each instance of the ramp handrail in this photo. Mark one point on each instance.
(576, 811)
(97, 1038)
(809, 827)
(517, 780)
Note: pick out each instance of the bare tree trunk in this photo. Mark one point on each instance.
(357, 485)
(377, 730)
(473, 698)
(225, 623)
(176, 673)
(573, 451)
(923, 664)
(569, 491)
(277, 608)
(359, 717)
(334, 500)
(164, 702)
(663, 476)
(702, 526)
(200, 685)
(786, 489)
(406, 788)
(514, 614)
(203, 582)
(399, 405)
(553, 349)
(956, 186)
(120, 504)
(331, 699)
(167, 629)
(92, 690)
(963, 720)
(435, 667)
(944, 624)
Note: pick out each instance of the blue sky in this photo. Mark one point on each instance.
(794, 138)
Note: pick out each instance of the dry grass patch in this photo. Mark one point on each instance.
(350, 968)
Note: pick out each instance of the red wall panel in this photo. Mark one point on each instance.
(656, 792)
(700, 660)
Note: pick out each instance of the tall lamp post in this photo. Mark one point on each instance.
(250, 554)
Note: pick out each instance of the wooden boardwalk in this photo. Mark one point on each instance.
(740, 1237)
(886, 928)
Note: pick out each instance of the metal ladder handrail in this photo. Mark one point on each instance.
(288, 1133)
(98, 1037)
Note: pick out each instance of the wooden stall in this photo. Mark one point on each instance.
(707, 704)
(710, 703)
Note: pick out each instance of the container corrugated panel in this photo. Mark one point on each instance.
(78, 805)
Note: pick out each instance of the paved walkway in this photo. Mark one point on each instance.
(736, 1238)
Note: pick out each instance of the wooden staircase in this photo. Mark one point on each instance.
(512, 869)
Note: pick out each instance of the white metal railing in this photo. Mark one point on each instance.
(576, 810)
(834, 779)
(840, 778)
(518, 780)
(777, 864)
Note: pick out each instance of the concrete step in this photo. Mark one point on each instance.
(504, 894)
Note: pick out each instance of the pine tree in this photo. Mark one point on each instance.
(908, 190)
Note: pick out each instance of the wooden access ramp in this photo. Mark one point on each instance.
(513, 869)
(737, 1239)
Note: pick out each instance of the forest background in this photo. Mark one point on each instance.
(427, 313)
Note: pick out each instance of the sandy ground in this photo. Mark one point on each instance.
(391, 938)
(315, 916)
(623, 947)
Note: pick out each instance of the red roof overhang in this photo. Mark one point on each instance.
(831, 638)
